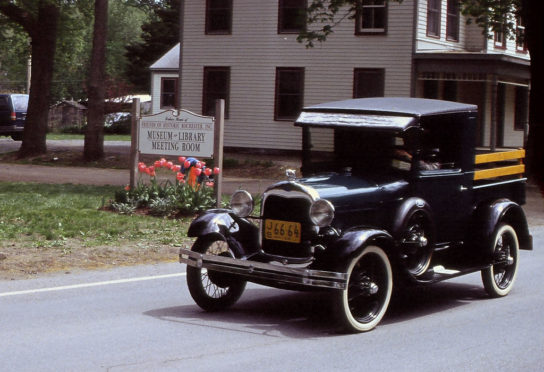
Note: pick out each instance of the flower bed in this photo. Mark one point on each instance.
(190, 189)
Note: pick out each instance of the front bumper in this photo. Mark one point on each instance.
(260, 271)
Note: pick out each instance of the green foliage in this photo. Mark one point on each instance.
(158, 36)
(15, 45)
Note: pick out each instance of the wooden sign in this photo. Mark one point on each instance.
(175, 133)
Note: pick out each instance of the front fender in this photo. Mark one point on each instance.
(489, 215)
(339, 252)
(240, 233)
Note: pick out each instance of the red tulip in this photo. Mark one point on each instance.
(182, 159)
(180, 176)
(216, 170)
(207, 172)
(186, 164)
(157, 164)
(127, 188)
(198, 171)
(169, 165)
(198, 165)
(209, 184)
(176, 168)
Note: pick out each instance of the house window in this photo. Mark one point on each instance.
(371, 17)
(368, 82)
(521, 109)
(218, 17)
(499, 39)
(452, 23)
(291, 16)
(169, 89)
(289, 92)
(433, 17)
(216, 86)
(521, 43)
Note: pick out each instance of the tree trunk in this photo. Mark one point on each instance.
(535, 42)
(94, 136)
(44, 35)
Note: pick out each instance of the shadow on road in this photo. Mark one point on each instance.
(277, 313)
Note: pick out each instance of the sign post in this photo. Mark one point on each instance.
(134, 141)
(218, 148)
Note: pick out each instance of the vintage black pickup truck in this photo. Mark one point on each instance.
(393, 192)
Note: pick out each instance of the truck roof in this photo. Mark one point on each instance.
(393, 113)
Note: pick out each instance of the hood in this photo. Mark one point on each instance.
(345, 190)
(357, 200)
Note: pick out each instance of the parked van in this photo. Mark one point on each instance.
(13, 109)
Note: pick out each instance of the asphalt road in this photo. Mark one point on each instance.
(142, 318)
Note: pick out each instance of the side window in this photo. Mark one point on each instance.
(218, 17)
(291, 16)
(169, 88)
(368, 82)
(440, 146)
(371, 17)
(4, 103)
(289, 92)
(216, 86)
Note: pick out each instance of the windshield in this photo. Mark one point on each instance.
(20, 103)
(364, 151)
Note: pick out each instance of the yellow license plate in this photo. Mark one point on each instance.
(282, 230)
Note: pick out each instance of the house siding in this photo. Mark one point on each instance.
(254, 56)
(437, 44)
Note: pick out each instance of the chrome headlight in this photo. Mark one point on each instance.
(241, 203)
(322, 212)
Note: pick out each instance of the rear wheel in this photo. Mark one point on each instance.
(499, 278)
(212, 290)
(362, 305)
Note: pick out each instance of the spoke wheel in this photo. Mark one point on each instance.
(363, 304)
(417, 246)
(499, 278)
(210, 289)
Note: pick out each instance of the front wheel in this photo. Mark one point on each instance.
(362, 305)
(499, 278)
(212, 290)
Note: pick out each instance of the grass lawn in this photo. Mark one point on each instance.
(47, 228)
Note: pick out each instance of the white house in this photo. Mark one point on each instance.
(246, 52)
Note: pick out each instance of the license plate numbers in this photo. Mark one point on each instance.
(282, 230)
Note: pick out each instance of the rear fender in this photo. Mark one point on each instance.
(241, 234)
(489, 215)
(407, 210)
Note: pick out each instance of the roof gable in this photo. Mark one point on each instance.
(169, 61)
